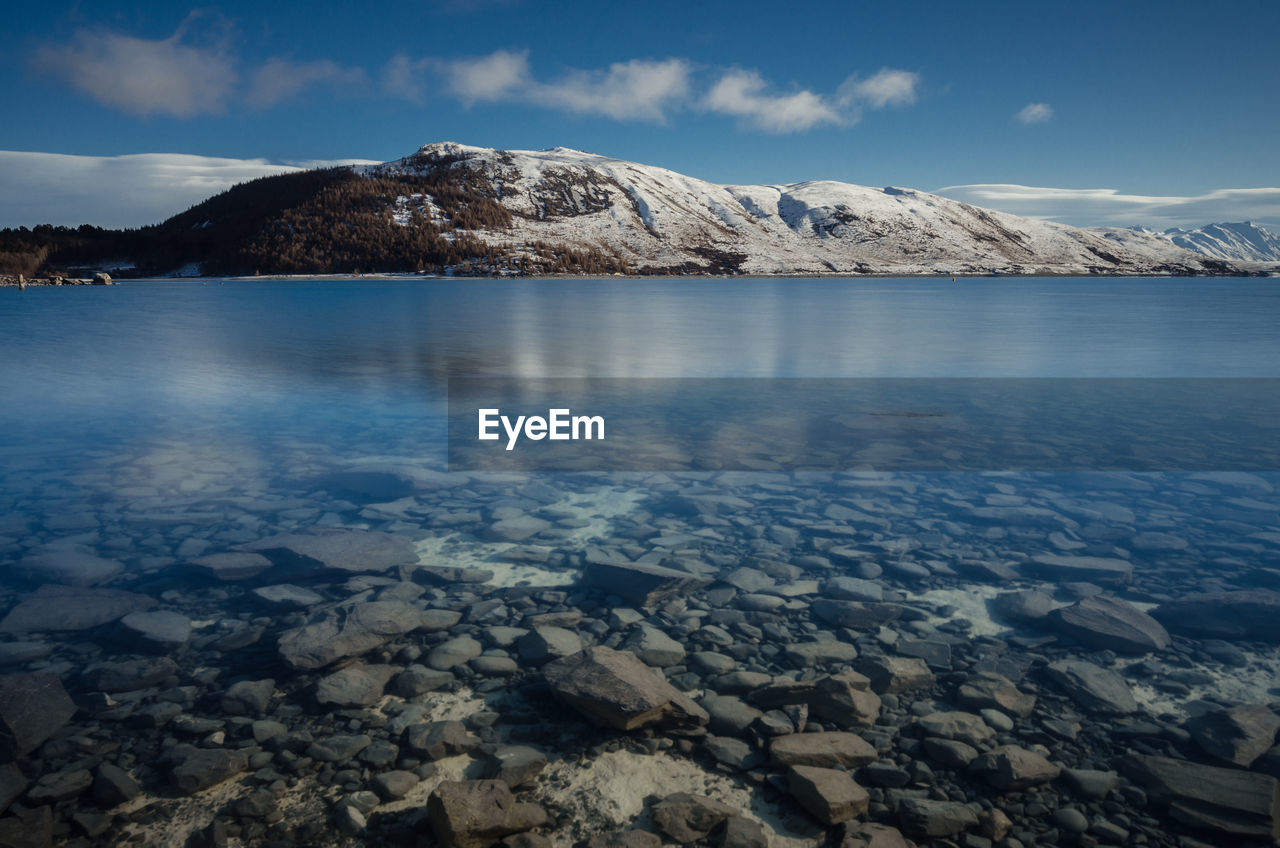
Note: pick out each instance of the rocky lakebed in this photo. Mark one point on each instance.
(390, 655)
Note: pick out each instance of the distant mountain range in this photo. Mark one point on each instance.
(1244, 241)
(451, 208)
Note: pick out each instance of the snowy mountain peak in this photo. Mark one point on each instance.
(653, 220)
(1243, 240)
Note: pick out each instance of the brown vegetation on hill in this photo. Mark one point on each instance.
(317, 222)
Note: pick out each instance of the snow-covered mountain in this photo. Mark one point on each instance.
(1240, 241)
(1245, 244)
(653, 219)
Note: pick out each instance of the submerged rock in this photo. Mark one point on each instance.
(368, 486)
(130, 675)
(1094, 688)
(845, 699)
(1111, 624)
(287, 596)
(615, 689)
(12, 784)
(205, 767)
(891, 675)
(350, 631)
(229, 567)
(1014, 769)
(478, 813)
(162, 631)
(354, 686)
(1105, 570)
(56, 608)
(340, 550)
(1022, 606)
(827, 750)
(1229, 801)
(871, 835)
(1238, 735)
(68, 567)
(857, 615)
(963, 727)
(1250, 614)
(642, 585)
(33, 707)
(687, 818)
(986, 689)
(248, 697)
(925, 817)
(829, 795)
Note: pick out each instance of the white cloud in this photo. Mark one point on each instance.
(119, 191)
(1105, 207)
(403, 78)
(281, 79)
(888, 87)
(635, 90)
(744, 94)
(143, 76)
(499, 75)
(1034, 113)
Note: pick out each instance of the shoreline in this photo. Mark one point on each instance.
(10, 281)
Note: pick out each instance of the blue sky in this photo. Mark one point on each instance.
(1160, 108)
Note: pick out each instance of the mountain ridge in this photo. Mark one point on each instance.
(456, 208)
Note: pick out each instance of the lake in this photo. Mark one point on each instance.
(148, 428)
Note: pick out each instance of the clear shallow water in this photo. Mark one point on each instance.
(158, 394)
(155, 422)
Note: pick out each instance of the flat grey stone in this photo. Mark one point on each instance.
(340, 550)
(59, 608)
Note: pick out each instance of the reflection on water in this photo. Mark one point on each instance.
(269, 382)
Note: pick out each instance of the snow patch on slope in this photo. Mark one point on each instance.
(656, 219)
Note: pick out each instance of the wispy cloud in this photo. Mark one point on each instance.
(644, 90)
(168, 76)
(283, 79)
(1034, 113)
(1109, 207)
(500, 75)
(641, 89)
(636, 90)
(887, 87)
(745, 94)
(184, 76)
(120, 191)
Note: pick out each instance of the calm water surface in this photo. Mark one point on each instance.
(163, 393)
